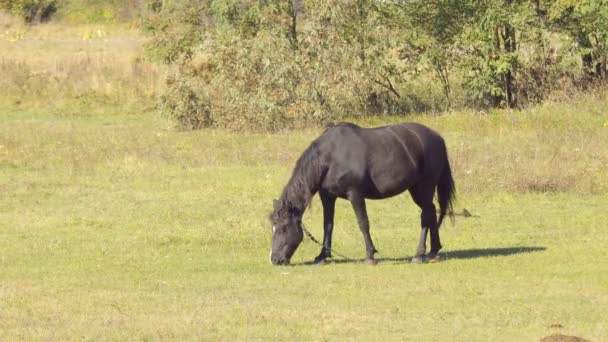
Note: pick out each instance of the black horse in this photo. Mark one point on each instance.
(356, 163)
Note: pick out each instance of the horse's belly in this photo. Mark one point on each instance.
(390, 183)
(379, 182)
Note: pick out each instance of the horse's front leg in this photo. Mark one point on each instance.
(358, 203)
(329, 205)
(421, 249)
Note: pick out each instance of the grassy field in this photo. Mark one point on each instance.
(113, 227)
(75, 71)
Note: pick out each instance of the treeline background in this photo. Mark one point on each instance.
(270, 64)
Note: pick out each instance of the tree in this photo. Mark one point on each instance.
(586, 22)
(32, 11)
(434, 28)
(268, 64)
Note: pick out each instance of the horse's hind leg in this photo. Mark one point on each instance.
(422, 195)
(358, 203)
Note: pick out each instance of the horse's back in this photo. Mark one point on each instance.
(433, 154)
(343, 151)
(424, 134)
(383, 161)
(413, 136)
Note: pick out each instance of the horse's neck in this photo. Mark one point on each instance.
(296, 198)
(304, 182)
(298, 193)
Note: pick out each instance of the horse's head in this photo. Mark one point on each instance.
(287, 232)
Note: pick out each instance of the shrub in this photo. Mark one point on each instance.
(183, 102)
(268, 65)
(32, 11)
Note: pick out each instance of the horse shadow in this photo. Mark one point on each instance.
(463, 254)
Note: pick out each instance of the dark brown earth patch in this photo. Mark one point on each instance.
(562, 338)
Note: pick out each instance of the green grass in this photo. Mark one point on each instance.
(114, 228)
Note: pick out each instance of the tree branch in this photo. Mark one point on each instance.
(388, 85)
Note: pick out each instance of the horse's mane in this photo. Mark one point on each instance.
(305, 179)
(307, 174)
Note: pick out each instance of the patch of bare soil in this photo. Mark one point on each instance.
(562, 338)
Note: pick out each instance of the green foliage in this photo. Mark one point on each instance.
(586, 23)
(183, 103)
(271, 64)
(177, 28)
(31, 11)
(264, 65)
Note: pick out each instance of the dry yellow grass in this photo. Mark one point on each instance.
(554, 147)
(72, 69)
(96, 70)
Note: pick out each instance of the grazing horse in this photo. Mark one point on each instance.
(355, 163)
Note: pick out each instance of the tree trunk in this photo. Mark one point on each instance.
(497, 99)
(362, 14)
(442, 72)
(587, 58)
(510, 46)
(601, 68)
(295, 8)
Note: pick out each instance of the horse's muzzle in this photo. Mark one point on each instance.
(279, 261)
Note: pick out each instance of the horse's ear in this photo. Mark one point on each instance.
(295, 211)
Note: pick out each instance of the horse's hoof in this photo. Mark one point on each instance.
(319, 261)
(371, 261)
(418, 260)
(435, 258)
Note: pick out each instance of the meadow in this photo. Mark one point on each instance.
(115, 227)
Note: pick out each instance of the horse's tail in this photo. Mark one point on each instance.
(446, 193)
